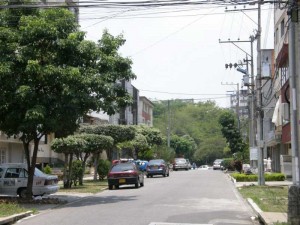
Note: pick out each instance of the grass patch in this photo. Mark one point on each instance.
(89, 186)
(268, 198)
(8, 209)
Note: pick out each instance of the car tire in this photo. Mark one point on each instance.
(22, 193)
(148, 176)
(164, 175)
(142, 184)
(137, 184)
(117, 186)
(110, 187)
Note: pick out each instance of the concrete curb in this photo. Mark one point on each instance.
(14, 218)
(267, 218)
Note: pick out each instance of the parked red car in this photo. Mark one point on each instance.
(125, 173)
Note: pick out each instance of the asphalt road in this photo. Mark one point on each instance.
(186, 197)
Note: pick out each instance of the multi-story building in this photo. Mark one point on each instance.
(145, 114)
(282, 151)
(127, 115)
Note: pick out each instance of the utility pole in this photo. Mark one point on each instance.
(261, 177)
(294, 190)
(252, 99)
(169, 124)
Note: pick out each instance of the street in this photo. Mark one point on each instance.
(186, 197)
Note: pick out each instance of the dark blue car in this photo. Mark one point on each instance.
(157, 167)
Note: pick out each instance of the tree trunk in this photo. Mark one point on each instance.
(86, 156)
(66, 180)
(96, 159)
(70, 171)
(31, 166)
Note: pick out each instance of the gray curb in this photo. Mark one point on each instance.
(14, 218)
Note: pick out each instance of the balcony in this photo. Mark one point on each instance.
(272, 138)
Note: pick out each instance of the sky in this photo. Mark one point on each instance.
(176, 51)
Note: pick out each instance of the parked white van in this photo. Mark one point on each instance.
(14, 177)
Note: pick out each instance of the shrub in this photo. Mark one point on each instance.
(77, 172)
(227, 163)
(253, 177)
(103, 168)
(238, 165)
(47, 170)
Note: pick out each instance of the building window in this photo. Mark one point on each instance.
(2, 155)
(282, 28)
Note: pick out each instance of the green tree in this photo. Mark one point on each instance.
(68, 146)
(103, 168)
(119, 133)
(231, 133)
(196, 120)
(94, 144)
(184, 146)
(50, 76)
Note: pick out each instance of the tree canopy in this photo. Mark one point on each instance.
(50, 75)
(194, 127)
(231, 132)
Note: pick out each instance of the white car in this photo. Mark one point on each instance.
(204, 167)
(14, 177)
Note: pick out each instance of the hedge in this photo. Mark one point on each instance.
(240, 177)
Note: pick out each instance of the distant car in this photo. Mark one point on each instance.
(157, 167)
(180, 163)
(125, 173)
(14, 178)
(142, 164)
(204, 167)
(218, 164)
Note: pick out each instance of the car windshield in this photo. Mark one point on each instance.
(122, 167)
(155, 162)
(180, 160)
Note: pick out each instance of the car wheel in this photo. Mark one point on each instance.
(151, 176)
(168, 174)
(117, 186)
(164, 174)
(137, 184)
(110, 187)
(142, 184)
(148, 176)
(22, 193)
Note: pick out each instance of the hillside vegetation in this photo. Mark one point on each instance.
(196, 122)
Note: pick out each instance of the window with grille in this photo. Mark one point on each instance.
(2, 155)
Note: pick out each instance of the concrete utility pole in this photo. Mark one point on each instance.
(294, 190)
(252, 99)
(169, 125)
(261, 177)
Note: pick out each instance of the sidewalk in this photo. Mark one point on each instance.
(268, 218)
(64, 197)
